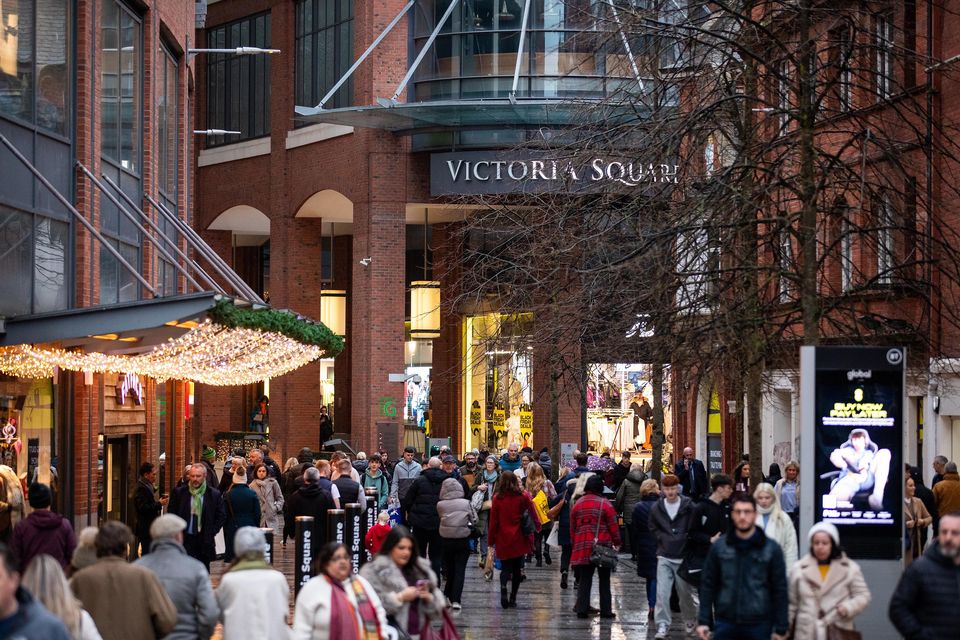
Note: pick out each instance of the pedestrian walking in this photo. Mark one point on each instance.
(775, 523)
(627, 498)
(43, 531)
(483, 490)
(924, 604)
(405, 473)
(125, 600)
(253, 596)
(243, 508)
(226, 478)
(511, 460)
(741, 478)
(348, 489)
(374, 478)
(406, 584)
(692, 475)
(309, 500)
(540, 491)
(593, 521)
(85, 554)
(560, 510)
(272, 467)
(327, 476)
(421, 506)
(670, 521)
(271, 499)
(621, 471)
(147, 505)
(207, 457)
(916, 519)
(45, 580)
(470, 469)
(711, 519)
(11, 502)
(201, 507)
(457, 517)
(185, 580)
(337, 604)
(287, 481)
(743, 587)
(23, 615)
(510, 537)
(929, 502)
(787, 489)
(644, 542)
(827, 589)
(545, 462)
(373, 541)
(947, 491)
(939, 468)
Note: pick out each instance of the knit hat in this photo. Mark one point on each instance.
(209, 453)
(39, 496)
(827, 528)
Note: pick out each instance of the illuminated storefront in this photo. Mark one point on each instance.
(620, 407)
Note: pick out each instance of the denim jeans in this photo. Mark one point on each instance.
(666, 578)
(732, 631)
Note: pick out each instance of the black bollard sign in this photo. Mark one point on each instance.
(354, 533)
(336, 526)
(370, 518)
(303, 569)
(268, 551)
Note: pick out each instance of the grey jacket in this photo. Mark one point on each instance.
(404, 475)
(188, 585)
(671, 534)
(455, 510)
(32, 621)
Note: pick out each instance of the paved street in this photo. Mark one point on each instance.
(543, 609)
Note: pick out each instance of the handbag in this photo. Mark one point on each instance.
(476, 501)
(447, 631)
(475, 532)
(554, 512)
(838, 633)
(602, 555)
(526, 523)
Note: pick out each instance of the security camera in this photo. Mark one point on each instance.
(366, 261)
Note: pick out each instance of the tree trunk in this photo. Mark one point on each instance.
(554, 419)
(754, 402)
(657, 434)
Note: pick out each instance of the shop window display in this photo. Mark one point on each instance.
(620, 408)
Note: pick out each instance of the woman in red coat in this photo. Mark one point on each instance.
(506, 534)
(592, 517)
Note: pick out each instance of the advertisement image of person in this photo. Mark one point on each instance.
(863, 467)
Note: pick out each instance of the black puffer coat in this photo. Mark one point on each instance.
(924, 606)
(421, 500)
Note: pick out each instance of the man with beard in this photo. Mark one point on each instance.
(202, 508)
(743, 588)
(924, 604)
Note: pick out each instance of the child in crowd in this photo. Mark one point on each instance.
(378, 533)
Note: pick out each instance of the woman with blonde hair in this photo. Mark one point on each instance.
(775, 523)
(45, 580)
(541, 492)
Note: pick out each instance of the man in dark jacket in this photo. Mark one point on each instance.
(711, 519)
(349, 489)
(924, 604)
(621, 471)
(293, 477)
(743, 589)
(21, 616)
(670, 521)
(202, 508)
(693, 476)
(420, 503)
(546, 463)
(147, 505)
(43, 531)
(308, 500)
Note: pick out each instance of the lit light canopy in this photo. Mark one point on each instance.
(211, 353)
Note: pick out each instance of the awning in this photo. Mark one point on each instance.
(412, 117)
(205, 337)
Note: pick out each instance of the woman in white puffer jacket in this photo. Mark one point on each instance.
(775, 523)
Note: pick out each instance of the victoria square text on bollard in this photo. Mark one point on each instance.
(370, 519)
(354, 533)
(303, 558)
(268, 550)
(336, 525)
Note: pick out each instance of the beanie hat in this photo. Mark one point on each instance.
(208, 453)
(827, 528)
(39, 496)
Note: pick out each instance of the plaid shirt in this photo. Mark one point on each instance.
(584, 516)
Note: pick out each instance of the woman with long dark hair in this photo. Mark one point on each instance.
(406, 584)
(336, 603)
(826, 587)
(507, 536)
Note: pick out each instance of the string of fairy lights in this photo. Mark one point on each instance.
(210, 354)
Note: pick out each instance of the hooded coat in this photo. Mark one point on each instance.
(271, 503)
(629, 494)
(809, 595)
(546, 464)
(388, 581)
(43, 531)
(379, 482)
(505, 533)
(32, 620)
(421, 500)
(924, 604)
(309, 500)
(454, 510)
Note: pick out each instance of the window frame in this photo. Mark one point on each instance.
(884, 60)
(309, 91)
(886, 216)
(166, 275)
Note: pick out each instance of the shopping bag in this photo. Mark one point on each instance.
(395, 516)
(553, 539)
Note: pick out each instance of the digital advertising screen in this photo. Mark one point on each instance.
(858, 450)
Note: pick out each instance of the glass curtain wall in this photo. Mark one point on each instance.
(573, 49)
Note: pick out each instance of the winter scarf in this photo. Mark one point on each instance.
(342, 618)
(196, 502)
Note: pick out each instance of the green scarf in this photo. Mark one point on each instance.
(196, 502)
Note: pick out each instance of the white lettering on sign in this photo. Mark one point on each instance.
(130, 383)
(630, 174)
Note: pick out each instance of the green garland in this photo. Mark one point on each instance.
(283, 322)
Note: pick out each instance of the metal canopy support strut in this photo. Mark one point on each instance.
(626, 44)
(423, 52)
(523, 37)
(76, 214)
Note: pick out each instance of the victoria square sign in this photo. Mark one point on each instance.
(505, 172)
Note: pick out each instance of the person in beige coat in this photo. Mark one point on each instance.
(826, 587)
